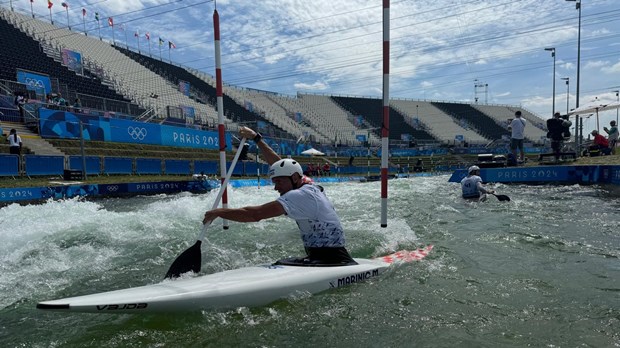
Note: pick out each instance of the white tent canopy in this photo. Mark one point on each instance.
(312, 152)
(595, 108)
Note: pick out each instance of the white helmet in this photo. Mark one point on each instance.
(472, 169)
(285, 167)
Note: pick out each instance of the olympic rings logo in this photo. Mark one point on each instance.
(137, 133)
(113, 188)
(34, 83)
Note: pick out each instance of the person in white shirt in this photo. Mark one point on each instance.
(15, 142)
(471, 185)
(517, 127)
(300, 200)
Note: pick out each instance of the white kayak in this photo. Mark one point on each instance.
(243, 287)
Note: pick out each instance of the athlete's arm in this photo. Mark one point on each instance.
(270, 156)
(482, 189)
(246, 214)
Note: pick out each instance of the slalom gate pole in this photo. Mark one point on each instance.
(385, 129)
(220, 108)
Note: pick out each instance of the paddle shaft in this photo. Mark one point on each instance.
(203, 231)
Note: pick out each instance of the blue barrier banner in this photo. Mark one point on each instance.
(62, 124)
(177, 166)
(547, 174)
(34, 81)
(23, 194)
(9, 165)
(44, 165)
(148, 166)
(206, 167)
(117, 165)
(93, 164)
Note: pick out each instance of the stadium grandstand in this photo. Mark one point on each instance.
(116, 95)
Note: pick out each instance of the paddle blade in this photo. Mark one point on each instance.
(189, 260)
(503, 198)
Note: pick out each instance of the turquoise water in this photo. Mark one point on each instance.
(542, 270)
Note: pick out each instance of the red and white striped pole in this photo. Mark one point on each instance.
(385, 129)
(220, 109)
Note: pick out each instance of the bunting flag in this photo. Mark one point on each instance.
(161, 42)
(171, 45)
(97, 16)
(65, 5)
(83, 12)
(148, 36)
(110, 21)
(50, 4)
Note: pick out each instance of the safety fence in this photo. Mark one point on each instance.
(39, 165)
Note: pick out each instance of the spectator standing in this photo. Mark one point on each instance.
(612, 136)
(517, 128)
(556, 127)
(20, 101)
(15, 142)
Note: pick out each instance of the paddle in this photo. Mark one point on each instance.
(502, 198)
(191, 259)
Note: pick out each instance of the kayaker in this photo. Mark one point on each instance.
(300, 200)
(471, 185)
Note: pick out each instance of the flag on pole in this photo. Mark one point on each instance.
(31, 0)
(83, 12)
(171, 45)
(96, 16)
(148, 36)
(110, 21)
(136, 34)
(161, 42)
(64, 4)
(50, 4)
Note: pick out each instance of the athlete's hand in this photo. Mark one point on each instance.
(209, 217)
(246, 132)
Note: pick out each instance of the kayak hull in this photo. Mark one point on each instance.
(244, 287)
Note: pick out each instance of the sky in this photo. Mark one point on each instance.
(443, 50)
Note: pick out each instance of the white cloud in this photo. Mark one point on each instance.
(613, 69)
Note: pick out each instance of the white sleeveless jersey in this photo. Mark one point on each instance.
(315, 215)
(469, 186)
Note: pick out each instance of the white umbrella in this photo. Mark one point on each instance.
(588, 109)
(312, 152)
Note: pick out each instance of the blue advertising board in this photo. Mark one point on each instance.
(73, 60)
(62, 124)
(34, 81)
